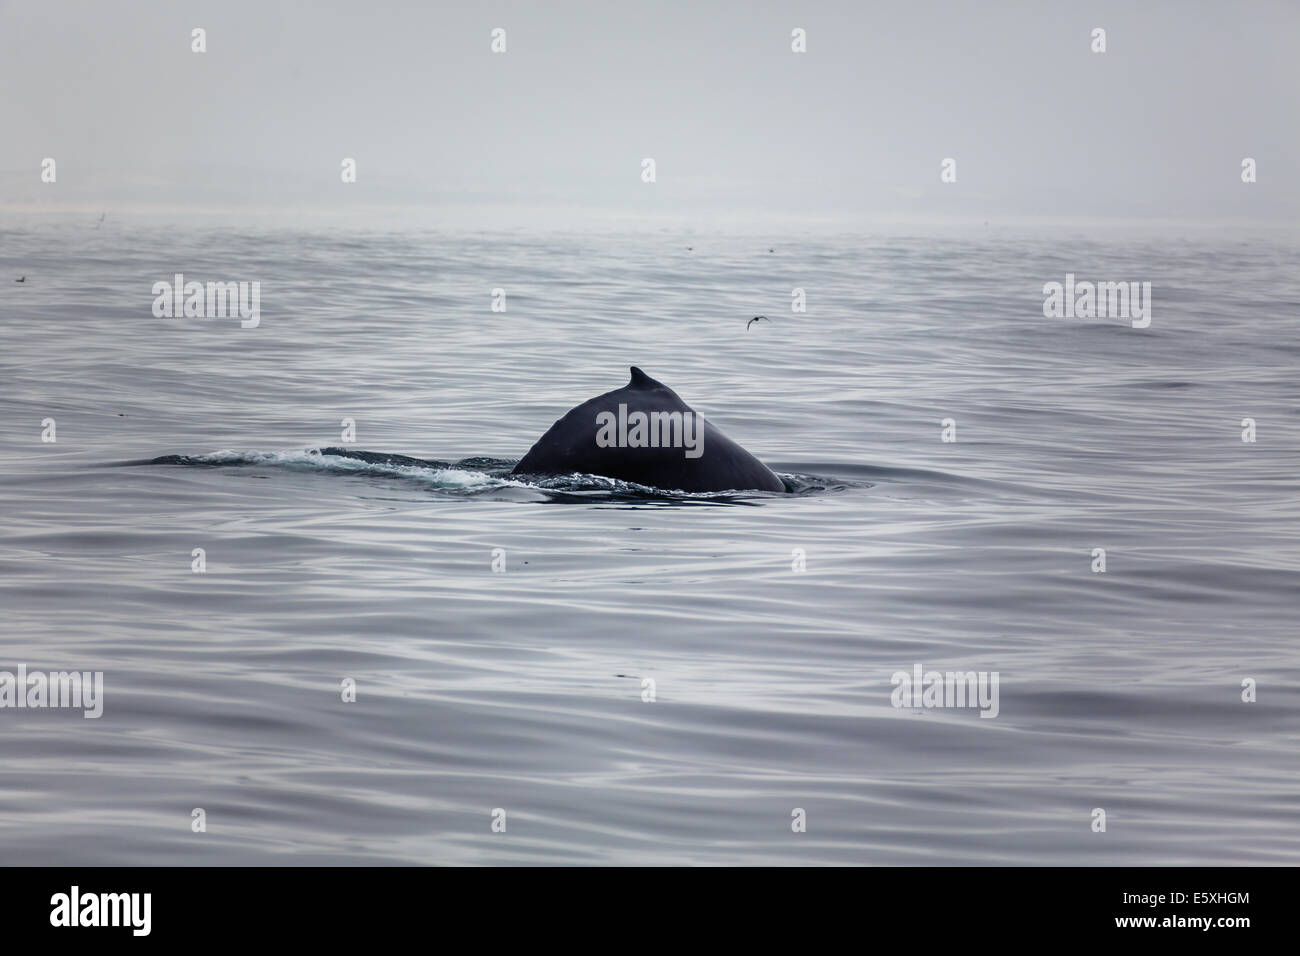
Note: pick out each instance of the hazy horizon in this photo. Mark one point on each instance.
(850, 133)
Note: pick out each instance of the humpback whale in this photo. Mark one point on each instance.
(644, 433)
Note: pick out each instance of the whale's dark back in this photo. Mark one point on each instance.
(570, 446)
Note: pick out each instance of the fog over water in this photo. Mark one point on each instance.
(554, 129)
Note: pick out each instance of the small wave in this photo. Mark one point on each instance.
(471, 475)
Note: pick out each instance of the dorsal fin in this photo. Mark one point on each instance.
(641, 379)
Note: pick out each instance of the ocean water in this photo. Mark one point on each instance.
(523, 690)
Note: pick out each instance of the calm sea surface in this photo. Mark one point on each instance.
(523, 690)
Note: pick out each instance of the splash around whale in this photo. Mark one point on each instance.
(644, 433)
(637, 442)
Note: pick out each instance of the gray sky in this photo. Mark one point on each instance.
(739, 126)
